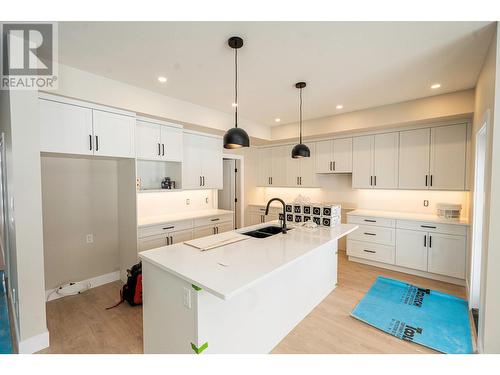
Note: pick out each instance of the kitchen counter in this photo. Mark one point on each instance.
(407, 216)
(169, 218)
(226, 271)
(244, 297)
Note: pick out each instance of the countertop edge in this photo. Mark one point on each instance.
(404, 216)
(188, 217)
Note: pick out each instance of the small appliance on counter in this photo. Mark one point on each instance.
(167, 183)
(449, 211)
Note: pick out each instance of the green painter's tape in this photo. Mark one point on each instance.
(200, 349)
(197, 288)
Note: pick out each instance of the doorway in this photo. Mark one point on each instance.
(231, 196)
(477, 223)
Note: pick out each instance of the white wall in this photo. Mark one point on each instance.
(79, 198)
(82, 85)
(163, 203)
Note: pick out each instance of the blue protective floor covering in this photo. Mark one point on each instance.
(426, 317)
(5, 338)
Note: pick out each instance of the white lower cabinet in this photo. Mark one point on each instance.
(256, 214)
(434, 249)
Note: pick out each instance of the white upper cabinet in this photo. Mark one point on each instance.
(113, 134)
(202, 162)
(433, 158)
(65, 128)
(273, 166)
(301, 172)
(375, 161)
(68, 126)
(265, 166)
(385, 161)
(158, 141)
(334, 156)
(362, 162)
(447, 157)
(414, 146)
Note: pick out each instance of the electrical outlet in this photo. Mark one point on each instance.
(90, 238)
(206, 200)
(426, 203)
(188, 202)
(186, 297)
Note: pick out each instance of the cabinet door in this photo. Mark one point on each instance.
(265, 166)
(225, 227)
(171, 143)
(204, 231)
(191, 162)
(362, 162)
(324, 158)
(181, 236)
(414, 159)
(65, 128)
(411, 249)
(342, 155)
(147, 140)
(447, 160)
(307, 173)
(279, 157)
(447, 255)
(113, 134)
(255, 218)
(211, 162)
(385, 161)
(152, 242)
(292, 168)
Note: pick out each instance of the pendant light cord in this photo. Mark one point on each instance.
(300, 115)
(236, 87)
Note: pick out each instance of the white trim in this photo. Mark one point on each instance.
(202, 134)
(34, 344)
(94, 282)
(155, 121)
(241, 172)
(427, 275)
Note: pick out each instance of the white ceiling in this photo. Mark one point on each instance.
(357, 64)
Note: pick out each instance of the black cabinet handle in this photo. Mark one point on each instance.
(425, 241)
(428, 226)
(90, 141)
(369, 251)
(331, 166)
(370, 234)
(200, 180)
(172, 227)
(159, 152)
(371, 180)
(97, 143)
(216, 219)
(431, 180)
(163, 149)
(370, 221)
(430, 241)
(203, 180)
(168, 240)
(375, 180)
(426, 178)
(333, 163)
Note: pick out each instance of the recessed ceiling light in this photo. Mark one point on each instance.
(436, 86)
(234, 105)
(162, 79)
(277, 119)
(339, 106)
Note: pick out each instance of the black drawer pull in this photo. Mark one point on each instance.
(172, 227)
(370, 221)
(370, 234)
(215, 219)
(369, 251)
(428, 226)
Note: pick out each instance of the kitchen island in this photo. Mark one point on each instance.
(244, 297)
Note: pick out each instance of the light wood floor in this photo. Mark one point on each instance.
(80, 324)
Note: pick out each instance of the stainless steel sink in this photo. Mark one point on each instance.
(265, 232)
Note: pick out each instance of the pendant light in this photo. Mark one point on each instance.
(236, 137)
(300, 150)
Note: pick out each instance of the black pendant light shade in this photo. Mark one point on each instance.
(236, 137)
(300, 150)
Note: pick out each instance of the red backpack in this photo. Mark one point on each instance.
(132, 290)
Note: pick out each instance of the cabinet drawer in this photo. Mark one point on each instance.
(371, 220)
(371, 251)
(370, 233)
(164, 228)
(212, 220)
(459, 230)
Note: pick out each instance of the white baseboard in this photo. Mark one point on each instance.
(34, 344)
(94, 282)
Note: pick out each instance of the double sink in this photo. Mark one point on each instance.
(265, 232)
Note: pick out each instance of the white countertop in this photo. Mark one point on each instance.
(407, 216)
(228, 270)
(169, 218)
